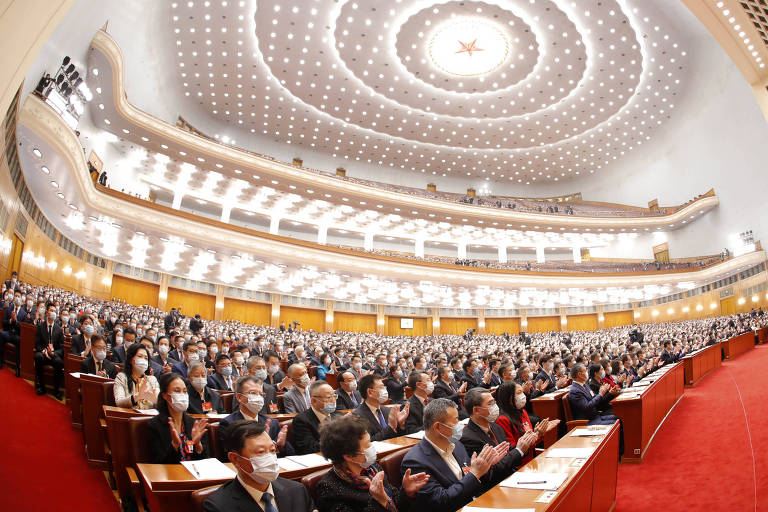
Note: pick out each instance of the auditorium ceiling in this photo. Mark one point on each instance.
(515, 91)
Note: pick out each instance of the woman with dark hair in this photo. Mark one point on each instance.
(596, 375)
(396, 384)
(133, 387)
(327, 365)
(174, 435)
(513, 417)
(356, 483)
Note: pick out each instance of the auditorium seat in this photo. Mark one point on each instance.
(199, 496)
(310, 482)
(570, 423)
(391, 466)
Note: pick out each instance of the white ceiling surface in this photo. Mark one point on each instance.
(582, 82)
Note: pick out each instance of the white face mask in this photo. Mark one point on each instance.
(192, 357)
(162, 349)
(101, 355)
(383, 395)
(430, 387)
(370, 457)
(352, 385)
(304, 380)
(265, 468)
(255, 403)
(520, 400)
(493, 413)
(141, 364)
(199, 383)
(179, 401)
(273, 369)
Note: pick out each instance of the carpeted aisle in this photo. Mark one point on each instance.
(42, 463)
(712, 452)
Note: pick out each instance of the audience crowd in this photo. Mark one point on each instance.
(472, 437)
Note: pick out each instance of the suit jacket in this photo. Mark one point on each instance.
(443, 390)
(474, 438)
(176, 354)
(668, 357)
(306, 431)
(216, 381)
(273, 429)
(159, 360)
(443, 491)
(415, 420)
(550, 380)
(118, 354)
(77, 346)
(160, 440)
(344, 400)
(584, 404)
(377, 432)
(42, 338)
(196, 402)
(180, 368)
(88, 365)
(275, 379)
(290, 496)
(8, 325)
(295, 401)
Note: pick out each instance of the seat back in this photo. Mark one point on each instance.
(280, 405)
(217, 450)
(289, 433)
(92, 397)
(199, 496)
(228, 400)
(332, 379)
(310, 482)
(129, 444)
(108, 393)
(567, 408)
(391, 466)
(408, 392)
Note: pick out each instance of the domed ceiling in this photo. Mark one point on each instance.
(517, 91)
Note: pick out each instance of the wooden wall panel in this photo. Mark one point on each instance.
(543, 324)
(308, 318)
(618, 318)
(502, 325)
(456, 325)
(191, 303)
(134, 292)
(247, 311)
(582, 322)
(728, 306)
(421, 327)
(353, 322)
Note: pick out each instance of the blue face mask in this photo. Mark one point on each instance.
(456, 431)
(226, 371)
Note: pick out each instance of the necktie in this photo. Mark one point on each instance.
(352, 396)
(381, 418)
(50, 332)
(268, 506)
(493, 437)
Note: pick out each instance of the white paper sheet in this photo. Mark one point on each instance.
(287, 464)
(215, 415)
(148, 412)
(381, 446)
(569, 453)
(208, 469)
(586, 432)
(535, 480)
(76, 375)
(309, 460)
(416, 435)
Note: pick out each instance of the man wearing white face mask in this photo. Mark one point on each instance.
(482, 430)
(190, 355)
(257, 485)
(348, 397)
(383, 422)
(422, 387)
(296, 399)
(249, 405)
(306, 424)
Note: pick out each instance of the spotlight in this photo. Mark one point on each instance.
(70, 69)
(74, 76)
(65, 61)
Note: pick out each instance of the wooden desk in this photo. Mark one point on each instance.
(590, 487)
(27, 351)
(551, 406)
(168, 486)
(762, 335)
(282, 416)
(642, 416)
(700, 363)
(72, 387)
(737, 345)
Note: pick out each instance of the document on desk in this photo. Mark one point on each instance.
(148, 412)
(416, 435)
(569, 453)
(208, 469)
(75, 375)
(535, 480)
(309, 460)
(216, 416)
(486, 509)
(381, 446)
(591, 431)
(287, 464)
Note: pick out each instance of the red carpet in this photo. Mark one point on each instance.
(712, 452)
(42, 463)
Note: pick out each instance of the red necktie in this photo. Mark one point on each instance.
(493, 437)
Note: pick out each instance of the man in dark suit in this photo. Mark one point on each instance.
(584, 403)
(190, 354)
(444, 387)
(245, 442)
(13, 316)
(275, 375)
(249, 404)
(13, 283)
(296, 399)
(547, 374)
(481, 430)
(667, 356)
(97, 363)
(454, 477)
(196, 324)
(118, 351)
(49, 352)
(171, 320)
(257, 367)
(306, 424)
(222, 377)
(383, 422)
(348, 397)
(422, 387)
(177, 350)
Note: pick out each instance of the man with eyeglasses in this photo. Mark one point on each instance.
(249, 404)
(306, 424)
